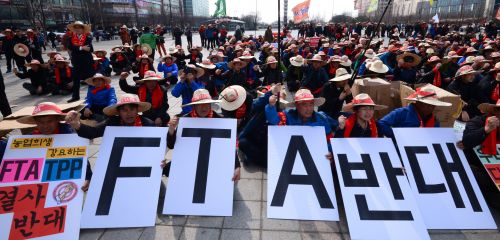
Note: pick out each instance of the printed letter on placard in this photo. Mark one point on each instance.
(299, 171)
(127, 172)
(441, 179)
(378, 200)
(202, 168)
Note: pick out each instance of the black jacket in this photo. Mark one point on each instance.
(333, 105)
(470, 93)
(38, 78)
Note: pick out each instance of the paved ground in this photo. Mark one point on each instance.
(249, 215)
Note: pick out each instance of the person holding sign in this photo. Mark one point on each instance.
(124, 113)
(303, 115)
(149, 90)
(202, 108)
(483, 131)
(420, 113)
(361, 123)
(47, 117)
(236, 103)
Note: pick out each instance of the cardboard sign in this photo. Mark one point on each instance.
(300, 182)
(441, 179)
(491, 163)
(34, 205)
(126, 181)
(378, 200)
(202, 168)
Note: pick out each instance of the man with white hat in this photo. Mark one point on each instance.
(419, 113)
(188, 84)
(336, 92)
(295, 73)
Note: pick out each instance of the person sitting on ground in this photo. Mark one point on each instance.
(62, 76)
(103, 63)
(149, 90)
(169, 69)
(99, 96)
(119, 62)
(483, 132)
(141, 66)
(124, 113)
(336, 91)
(48, 117)
(419, 113)
(202, 107)
(303, 114)
(360, 124)
(38, 78)
(187, 85)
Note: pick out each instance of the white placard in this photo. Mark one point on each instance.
(202, 168)
(431, 161)
(133, 155)
(67, 159)
(377, 198)
(296, 160)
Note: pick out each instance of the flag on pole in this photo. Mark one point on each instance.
(301, 11)
(221, 8)
(436, 18)
(373, 6)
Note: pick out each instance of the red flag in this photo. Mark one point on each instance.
(301, 11)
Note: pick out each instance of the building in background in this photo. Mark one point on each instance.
(421, 10)
(39, 13)
(196, 8)
(56, 14)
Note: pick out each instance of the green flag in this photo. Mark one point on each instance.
(221, 8)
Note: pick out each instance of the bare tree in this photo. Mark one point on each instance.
(251, 20)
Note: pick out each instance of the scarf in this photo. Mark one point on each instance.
(437, 77)
(241, 111)
(193, 114)
(351, 122)
(193, 57)
(156, 95)
(37, 131)
(120, 58)
(97, 89)
(95, 65)
(143, 68)
(31, 38)
(78, 41)
(137, 122)
(332, 71)
(495, 93)
(138, 53)
(10, 37)
(429, 124)
(57, 73)
(489, 145)
(282, 117)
